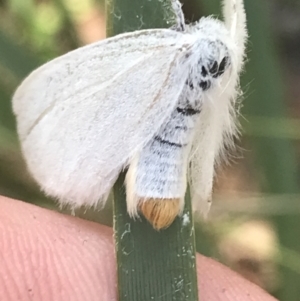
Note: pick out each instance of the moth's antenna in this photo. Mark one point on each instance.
(180, 22)
(235, 21)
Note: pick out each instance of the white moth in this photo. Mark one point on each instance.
(159, 101)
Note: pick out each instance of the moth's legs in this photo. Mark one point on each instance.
(180, 22)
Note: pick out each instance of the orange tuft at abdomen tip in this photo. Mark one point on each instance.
(160, 212)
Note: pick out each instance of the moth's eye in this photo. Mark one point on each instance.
(222, 67)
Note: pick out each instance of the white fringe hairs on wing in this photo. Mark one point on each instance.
(151, 100)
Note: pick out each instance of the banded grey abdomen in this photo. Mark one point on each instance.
(162, 165)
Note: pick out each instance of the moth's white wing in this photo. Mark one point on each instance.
(81, 117)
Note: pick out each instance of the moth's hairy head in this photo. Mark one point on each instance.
(208, 26)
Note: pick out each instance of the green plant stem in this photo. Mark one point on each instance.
(154, 265)
(151, 265)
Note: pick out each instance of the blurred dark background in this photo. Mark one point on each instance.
(254, 225)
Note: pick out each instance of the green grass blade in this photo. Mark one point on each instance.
(151, 265)
(154, 265)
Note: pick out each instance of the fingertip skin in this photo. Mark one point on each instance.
(49, 256)
(218, 283)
